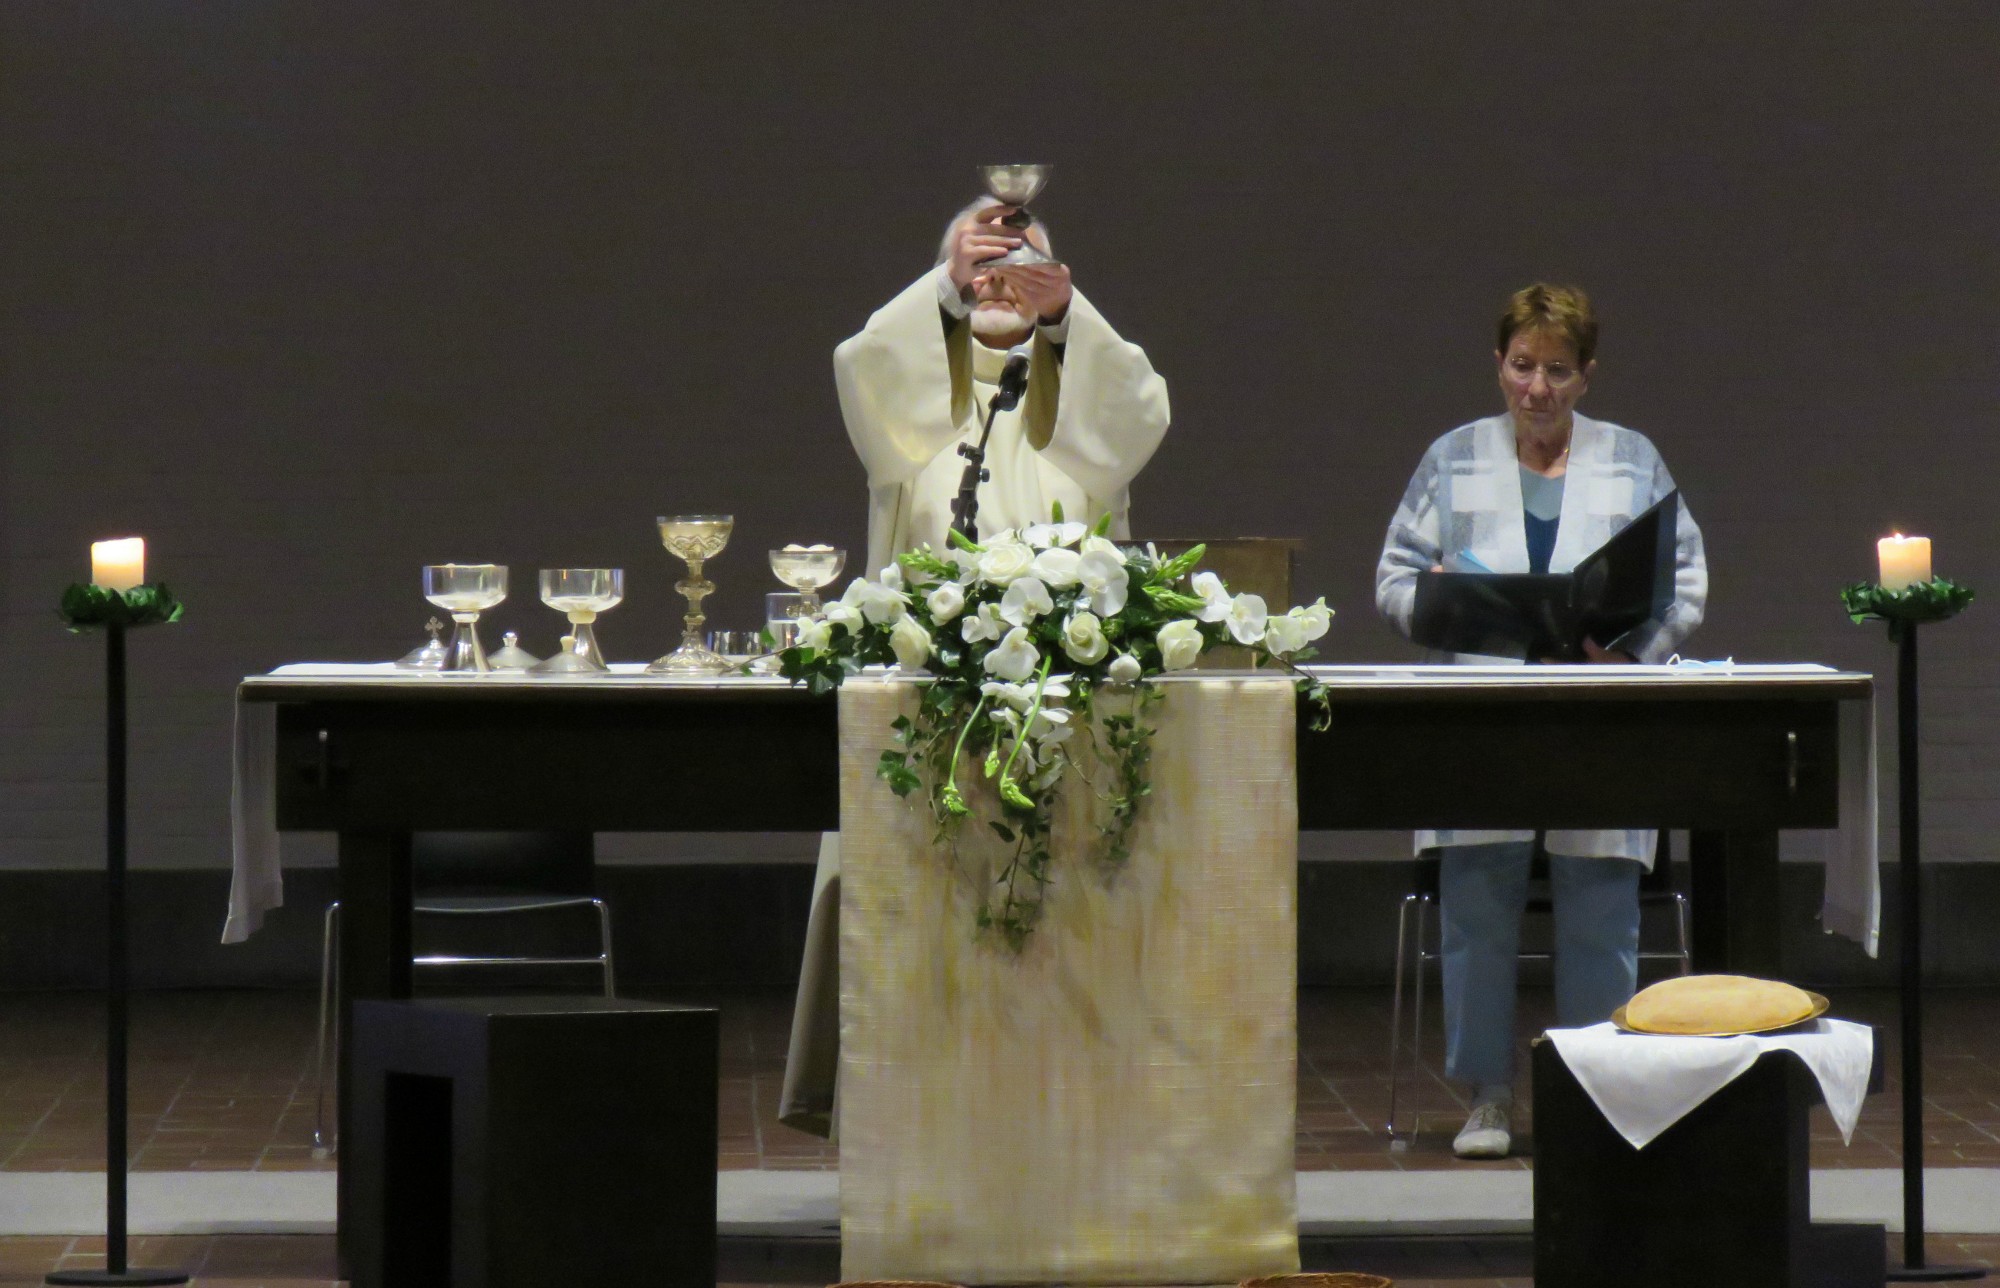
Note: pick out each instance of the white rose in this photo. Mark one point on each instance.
(983, 625)
(1180, 644)
(1285, 635)
(1044, 535)
(1247, 618)
(1083, 639)
(1057, 567)
(1124, 669)
(1024, 601)
(816, 634)
(842, 613)
(1001, 564)
(1015, 658)
(1317, 617)
(1095, 545)
(910, 642)
(946, 602)
(1214, 597)
(1104, 576)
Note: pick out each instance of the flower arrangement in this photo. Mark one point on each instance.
(1040, 646)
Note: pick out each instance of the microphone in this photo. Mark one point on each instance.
(1013, 379)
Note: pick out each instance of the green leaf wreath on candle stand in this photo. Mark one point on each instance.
(1040, 647)
(1936, 600)
(91, 607)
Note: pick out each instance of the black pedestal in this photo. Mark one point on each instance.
(532, 1141)
(1719, 1199)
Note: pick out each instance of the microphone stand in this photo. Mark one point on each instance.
(965, 508)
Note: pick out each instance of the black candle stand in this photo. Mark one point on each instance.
(94, 608)
(1905, 611)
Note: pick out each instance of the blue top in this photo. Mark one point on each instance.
(1541, 506)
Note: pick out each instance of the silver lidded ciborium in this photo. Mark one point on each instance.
(465, 591)
(1016, 186)
(695, 539)
(581, 594)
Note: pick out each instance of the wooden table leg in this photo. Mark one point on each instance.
(1735, 898)
(374, 961)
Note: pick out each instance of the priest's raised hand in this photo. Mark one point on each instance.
(916, 382)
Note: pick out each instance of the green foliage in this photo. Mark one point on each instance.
(88, 607)
(1936, 600)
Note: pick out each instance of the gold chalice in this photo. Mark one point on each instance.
(694, 538)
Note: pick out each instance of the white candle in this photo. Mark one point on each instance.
(118, 565)
(1905, 560)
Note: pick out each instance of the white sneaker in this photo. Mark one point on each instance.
(1486, 1133)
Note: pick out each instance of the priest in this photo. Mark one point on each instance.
(919, 382)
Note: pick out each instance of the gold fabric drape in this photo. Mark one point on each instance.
(1115, 1103)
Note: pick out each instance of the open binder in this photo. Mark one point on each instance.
(1624, 582)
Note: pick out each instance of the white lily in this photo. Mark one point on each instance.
(1214, 597)
(1057, 567)
(984, 624)
(910, 642)
(816, 634)
(1083, 639)
(892, 577)
(1026, 599)
(1247, 616)
(1180, 644)
(1096, 545)
(1285, 635)
(1317, 617)
(1042, 536)
(1104, 577)
(946, 602)
(1014, 658)
(842, 613)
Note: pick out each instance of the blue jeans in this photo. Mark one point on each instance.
(1483, 890)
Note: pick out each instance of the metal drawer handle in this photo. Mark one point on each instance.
(1791, 763)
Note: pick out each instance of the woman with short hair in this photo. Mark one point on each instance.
(1535, 489)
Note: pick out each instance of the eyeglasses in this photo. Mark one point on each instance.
(1558, 375)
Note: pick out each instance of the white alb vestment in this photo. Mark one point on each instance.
(1465, 499)
(914, 385)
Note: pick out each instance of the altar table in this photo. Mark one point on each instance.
(1735, 754)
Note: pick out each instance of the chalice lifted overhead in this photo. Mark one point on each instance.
(1016, 186)
(694, 538)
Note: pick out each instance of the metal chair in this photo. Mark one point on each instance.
(464, 875)
(1656, 889)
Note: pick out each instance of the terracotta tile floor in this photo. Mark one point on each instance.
(223, 1080)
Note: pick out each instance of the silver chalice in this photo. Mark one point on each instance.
(1016, 186)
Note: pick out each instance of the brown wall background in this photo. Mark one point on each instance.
(313, 293)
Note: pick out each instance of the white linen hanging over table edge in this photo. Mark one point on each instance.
(1644, 1083)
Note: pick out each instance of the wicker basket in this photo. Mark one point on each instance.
(1320, 1279)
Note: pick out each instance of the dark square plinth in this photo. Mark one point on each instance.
(532, 1141)
(1719, 1199)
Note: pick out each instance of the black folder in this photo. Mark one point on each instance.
(1624, 582)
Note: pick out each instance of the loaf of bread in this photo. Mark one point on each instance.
(1718, 1004)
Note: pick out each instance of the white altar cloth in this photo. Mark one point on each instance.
(1644, 1083)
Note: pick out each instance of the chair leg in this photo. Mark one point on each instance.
(329, 1003)
(1681, 928)
(1396, 1011)
(1425, 908)
(604, 947)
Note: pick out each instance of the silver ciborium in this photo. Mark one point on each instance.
(465, 591)
(582, 593)
(695, 539)
(1016, 186)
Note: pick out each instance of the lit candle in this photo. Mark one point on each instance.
(118, 565)
(1905, 560)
